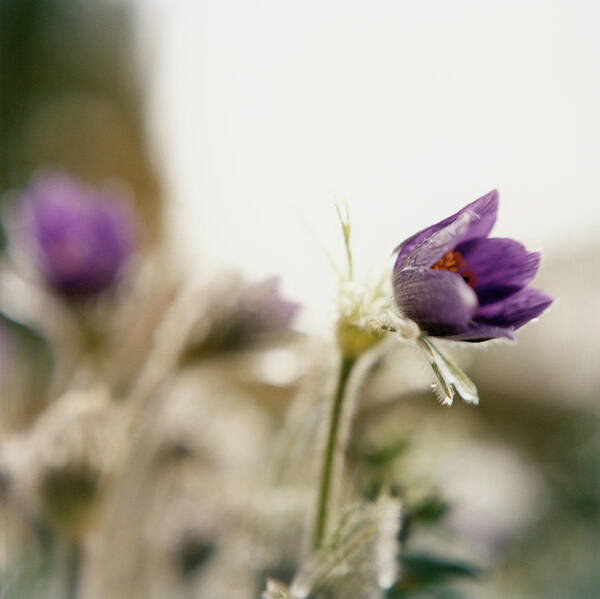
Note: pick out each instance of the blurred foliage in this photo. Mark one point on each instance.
(421, 573)
(32, 366)
(193, 553)
(31, 572)
(29, 578)
(71, 97)
(69, 495)
(382, 457)
(565, 445)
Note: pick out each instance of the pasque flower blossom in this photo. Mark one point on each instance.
(456, 282)
(238, 315)
(80, 236)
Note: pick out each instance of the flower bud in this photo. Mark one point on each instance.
(80, 237)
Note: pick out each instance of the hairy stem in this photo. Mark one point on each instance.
(330, 450)
(73, 569)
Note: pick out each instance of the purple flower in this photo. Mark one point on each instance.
(263, 308)
(239, 315)
(260, 312)
(81, 236)
(456, 282)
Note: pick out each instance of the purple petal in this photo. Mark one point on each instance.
(439, 301)
(432, 248)
(83, 236)
(483, 332)
(486, 209)
(501, 266)
(516, 310)
(262, 307)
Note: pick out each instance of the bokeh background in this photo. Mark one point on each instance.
(237, 125)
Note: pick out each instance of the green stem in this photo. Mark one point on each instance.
(329, 457)
(73, 569)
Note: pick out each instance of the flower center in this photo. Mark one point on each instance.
(454, 262)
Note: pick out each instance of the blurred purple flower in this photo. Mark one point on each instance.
(81, 236)
(240, 315)
(262, 309)
(260, 312)
(455, 282)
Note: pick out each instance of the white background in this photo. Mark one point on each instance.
(264, 113)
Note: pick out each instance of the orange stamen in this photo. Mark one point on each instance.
(454, 262)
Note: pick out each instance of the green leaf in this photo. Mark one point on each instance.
(432, 568)
(422, 571)
(382, 456)
(429, 511)
(34, 347)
